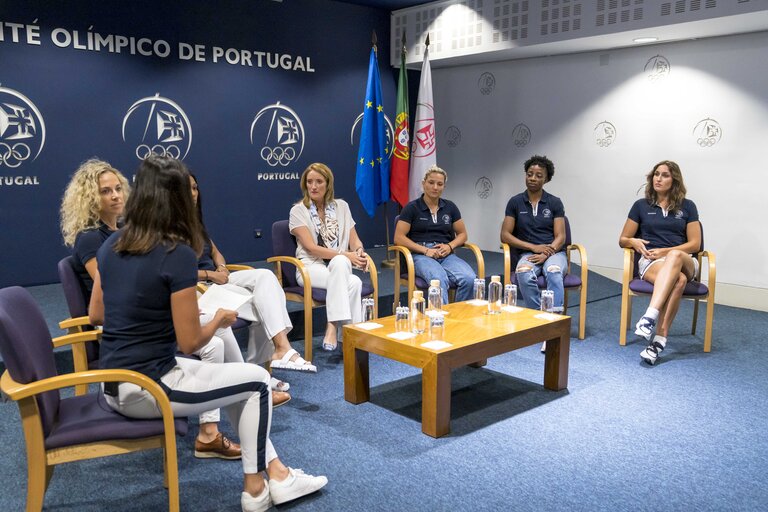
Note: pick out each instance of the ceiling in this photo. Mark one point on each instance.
(389, 5)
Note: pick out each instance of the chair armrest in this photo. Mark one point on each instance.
(374, 273)
(277, 260)
(78, 337)
(582, 259)
(478, 257)
(629, 263)
(233, 267)
(507, 263)
(711, 271)
(409, 268)
(79, 321)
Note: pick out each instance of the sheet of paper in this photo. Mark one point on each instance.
(220, 297)
(548, 316)
(511, 309)
(433, 312)
(436, 344)
(401, 335)
(475, 302)
(369, 326)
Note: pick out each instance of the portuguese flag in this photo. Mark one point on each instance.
(398, 177)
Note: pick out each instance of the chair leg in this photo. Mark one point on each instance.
(308, 334)
(583, 312)
(708, 324)
(626, 311)
(171, 475)
(695, 315)
(37, 482)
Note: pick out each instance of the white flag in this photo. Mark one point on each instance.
(424, 147)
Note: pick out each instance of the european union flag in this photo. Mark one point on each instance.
(372, 179)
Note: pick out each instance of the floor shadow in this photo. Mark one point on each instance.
(479, 398)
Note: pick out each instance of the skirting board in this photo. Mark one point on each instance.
(727, 294)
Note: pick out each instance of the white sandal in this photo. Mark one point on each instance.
(298, 364)
(278, 385)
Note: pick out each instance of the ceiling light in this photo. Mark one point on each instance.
(645, 39)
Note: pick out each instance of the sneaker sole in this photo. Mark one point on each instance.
(212, 455)
(296, 495)
(648, 360)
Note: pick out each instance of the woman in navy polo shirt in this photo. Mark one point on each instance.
(664, 228)
(534, 223)
(431, 228)
(144, 295)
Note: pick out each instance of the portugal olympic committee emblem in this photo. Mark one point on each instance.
(605, 134)
(453, 136)
(389, 133)
(707, 132)
(486, 83)
(657, 67)
(484, 187)
(282, 131)
(160, 126)
(424, 142)
(521, 135)
(22, 129)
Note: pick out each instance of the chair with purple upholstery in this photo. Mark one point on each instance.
(571, 282)
(85, 356)
(405, 273)
(286, 264)
(632, 285)
(59, 430)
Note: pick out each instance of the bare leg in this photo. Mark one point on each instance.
(282, 345)
(664, 276)
(330, 334)
(667, 316)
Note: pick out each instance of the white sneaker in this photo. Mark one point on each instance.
(297, 484)
(544, 347)
(645, 327)
(260, 503)
(652, 352)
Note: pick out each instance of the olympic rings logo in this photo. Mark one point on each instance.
(705, 142)
(278, 155)
(604, 143)
(14, 156)
(143, 151)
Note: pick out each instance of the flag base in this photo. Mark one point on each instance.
(388, 263)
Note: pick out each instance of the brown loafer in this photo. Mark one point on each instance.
(280, 398)
(219, 448)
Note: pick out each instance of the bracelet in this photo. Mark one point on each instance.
(206, 275)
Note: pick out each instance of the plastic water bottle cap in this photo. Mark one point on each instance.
(495, 279)
(435, 283)
(418, 294)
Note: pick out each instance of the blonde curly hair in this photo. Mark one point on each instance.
(81, 203)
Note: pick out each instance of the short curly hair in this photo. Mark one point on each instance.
(541, 161)
(81, 203)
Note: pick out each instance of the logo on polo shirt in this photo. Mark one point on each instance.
(282, 132)
(521, 135)
(605, 134)
(446, 218)
(159, 126)
(657, 67)
(22, 129)
(679, 214)
(486, 83)
(707, 132)
(546, 213)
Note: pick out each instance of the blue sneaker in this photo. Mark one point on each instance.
(645, 327)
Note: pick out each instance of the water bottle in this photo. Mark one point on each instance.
(418, 314)
(435, 295)
(494, 296)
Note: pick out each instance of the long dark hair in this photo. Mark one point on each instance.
(160, 209)
(199, 207)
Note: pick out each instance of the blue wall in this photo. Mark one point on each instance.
(84, 97)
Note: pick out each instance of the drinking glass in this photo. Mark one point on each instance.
(368, 309)
(547, 300)
(479, 289)
(510, 295)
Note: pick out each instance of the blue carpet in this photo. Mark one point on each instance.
(687, 434)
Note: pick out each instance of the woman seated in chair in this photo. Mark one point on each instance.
(664, 229)
(325, 234)
(144, 295)
(91, 211)
(266, 310)
(432, 229)
(534, 224)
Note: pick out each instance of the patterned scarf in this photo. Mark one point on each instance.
(329, 231)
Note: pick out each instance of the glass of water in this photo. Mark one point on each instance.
(368, 310)
(479, 289)
(402, 323)
(437, 328)
(547, 300)
(510, 295)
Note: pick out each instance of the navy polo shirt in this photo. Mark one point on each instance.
(206, 258)
(536, 229)
(86, 244)
(423, 228)
(663, 231)
(138, 324)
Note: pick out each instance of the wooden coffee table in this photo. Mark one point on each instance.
(474, 336)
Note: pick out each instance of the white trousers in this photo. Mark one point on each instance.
(266, 310)
(343, 288)
(222, 348)
(241, 389)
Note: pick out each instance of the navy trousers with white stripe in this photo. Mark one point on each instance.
(240, 389)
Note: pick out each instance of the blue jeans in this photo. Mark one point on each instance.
(553, 268)
(451, 271)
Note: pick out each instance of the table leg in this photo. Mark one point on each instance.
(556, 362)
(356, 383)
(436, 398)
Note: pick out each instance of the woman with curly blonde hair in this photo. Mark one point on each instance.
(91, 208)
